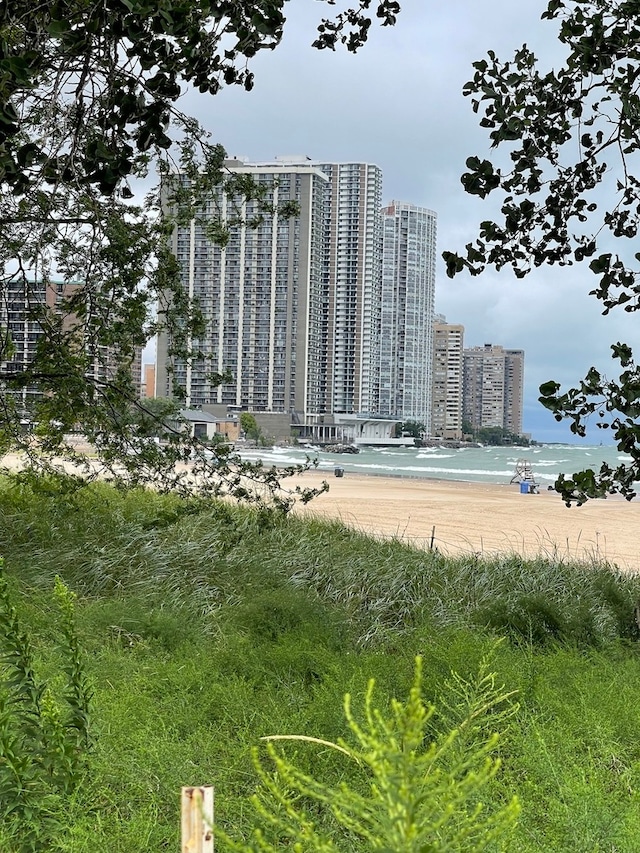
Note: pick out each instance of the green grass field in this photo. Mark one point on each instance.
(205, 627)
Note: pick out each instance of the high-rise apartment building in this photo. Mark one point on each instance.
(27, 307)
(263, 296)
(353, 242)
(21, 329)
(514, 390)
(406, 320)
(446, 406)
(493, 383)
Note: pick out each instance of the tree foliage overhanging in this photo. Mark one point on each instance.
(89, 115)
(569, 185)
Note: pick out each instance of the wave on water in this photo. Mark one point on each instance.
(436, 456)
(471, 464)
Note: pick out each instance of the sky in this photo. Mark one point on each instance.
(398, 103)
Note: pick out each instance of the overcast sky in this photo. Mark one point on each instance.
(398, 104)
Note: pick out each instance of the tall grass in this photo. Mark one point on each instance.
(206, 556)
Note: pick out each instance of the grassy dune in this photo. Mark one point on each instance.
(205, 627)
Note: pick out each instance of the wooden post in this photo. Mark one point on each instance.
(197, 819)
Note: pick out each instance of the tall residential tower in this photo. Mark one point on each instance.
(493, 383)
(30, 311)
(263, 296)
(353, 243)
(406, 321)
(446, 410)
(514, 390)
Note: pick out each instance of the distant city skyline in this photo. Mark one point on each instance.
(399, 104)
(330, 312)
(327, 312)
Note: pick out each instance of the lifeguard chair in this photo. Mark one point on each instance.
(524, 475)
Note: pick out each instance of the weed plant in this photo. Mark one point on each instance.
(407, 792)
(44, 742)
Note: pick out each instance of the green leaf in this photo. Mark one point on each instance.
(549, 389)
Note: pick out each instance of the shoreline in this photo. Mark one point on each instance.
(420, 478)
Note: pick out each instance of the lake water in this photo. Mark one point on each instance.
(470, 464)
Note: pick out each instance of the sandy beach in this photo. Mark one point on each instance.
(480, 518)
(458, 517)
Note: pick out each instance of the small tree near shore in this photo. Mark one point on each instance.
(250, 426)
(415, 429)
